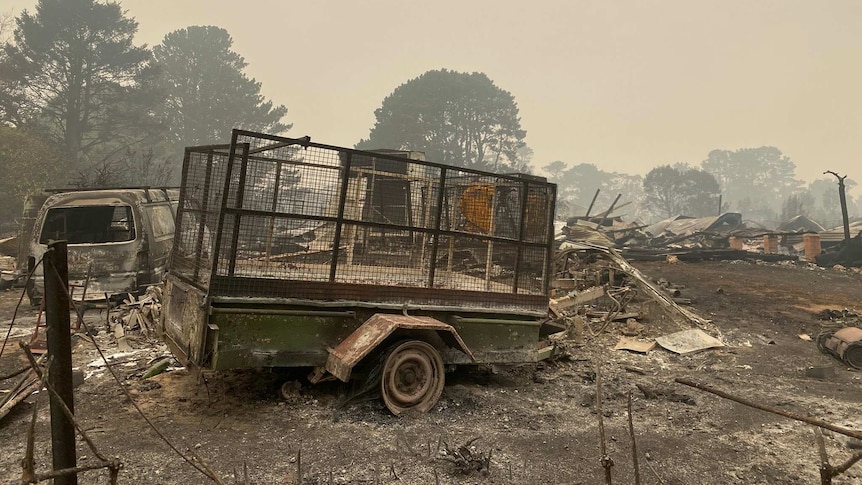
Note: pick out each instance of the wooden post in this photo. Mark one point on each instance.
(60, 359)
(843, 199)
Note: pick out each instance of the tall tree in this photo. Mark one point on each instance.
(555, 171)
(680, 190)
(29, 164)
(206, 91)
(456, 118)
(823, 201)
(7, 22)
(577, 185)
(632, 188)
(793, 206)
(763, 171)
(73, 70)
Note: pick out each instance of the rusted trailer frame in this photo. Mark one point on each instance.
(290, 253)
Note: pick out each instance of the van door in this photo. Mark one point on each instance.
(160, 219)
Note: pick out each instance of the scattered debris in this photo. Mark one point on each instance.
(157, 368)
(704, 232)
(466, 459)
(688, 341)
(633, 328)
(845, 254)
(626, 343)
(29, 384)
(139, 315)
(576, 298)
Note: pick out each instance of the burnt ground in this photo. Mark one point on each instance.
(539, 424)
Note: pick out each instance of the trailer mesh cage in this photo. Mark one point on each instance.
(275, 217)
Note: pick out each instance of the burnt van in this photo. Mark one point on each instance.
(119, 239)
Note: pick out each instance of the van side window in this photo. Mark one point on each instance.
(162, 220)
(92, 224)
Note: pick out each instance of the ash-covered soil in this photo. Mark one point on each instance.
(531, 424)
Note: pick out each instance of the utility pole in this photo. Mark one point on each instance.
(57, 307)
(843, 199)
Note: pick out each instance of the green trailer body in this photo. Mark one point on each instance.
(290, 253)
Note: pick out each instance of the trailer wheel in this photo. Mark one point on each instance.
(413, 377)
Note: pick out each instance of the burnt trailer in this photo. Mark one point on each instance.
(290, 253)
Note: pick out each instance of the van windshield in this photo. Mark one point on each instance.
(92, 224)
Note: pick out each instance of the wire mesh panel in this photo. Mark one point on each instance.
(204, 170)
(301, 219)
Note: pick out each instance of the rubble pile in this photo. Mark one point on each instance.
(596, 287)
(137, 316)
(845, 254)
(726, 236)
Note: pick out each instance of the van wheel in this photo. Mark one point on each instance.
(413, 377)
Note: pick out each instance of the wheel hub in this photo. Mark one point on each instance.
(413, 377)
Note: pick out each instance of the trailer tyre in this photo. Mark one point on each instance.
(413, 377)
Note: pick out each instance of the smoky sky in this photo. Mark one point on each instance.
(626, 85)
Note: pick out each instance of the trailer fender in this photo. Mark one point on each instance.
(374, 332)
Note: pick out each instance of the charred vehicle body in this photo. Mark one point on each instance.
(290, 253)
(118, 240)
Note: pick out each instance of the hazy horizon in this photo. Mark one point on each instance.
(624, 85)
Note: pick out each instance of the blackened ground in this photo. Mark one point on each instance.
(539, 423)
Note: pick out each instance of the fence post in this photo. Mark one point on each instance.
(56, 273)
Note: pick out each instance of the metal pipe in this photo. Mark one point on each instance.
(769, 409)
(525, 189)
(292, 313)
(590, 208)
(224, 199)
(608, 212)
(237, 220)
(271, 229)
(551, 191)
(492, 227)
(342, 200)
(60, 363)
(438, 218)
(371, 305)
(527, 323)
(202, 223)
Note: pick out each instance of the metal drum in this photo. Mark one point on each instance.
(845, 344)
